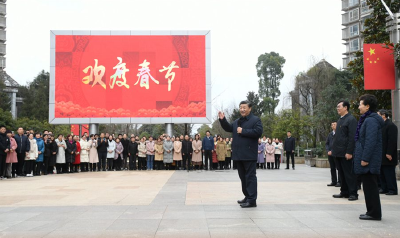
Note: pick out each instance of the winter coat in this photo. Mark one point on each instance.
(229, 149)
(22, 143)
(177, 151)
(142, 149)
(33, 150)
(102, 145)
(53, 156)
(111, 149)
(119, 150)
(70, 152)
(368, 147)
(61, 151)
(389, 143)
(85, 148)
(208, 143)
(77, 153)
(290, 144)
(269, 153)
(159, 153)
(187, 147)
(4, 143)
(245, 144)
(40, 146)
(93, 155)
(261, 154)
(125, 144)
(132, 149)
(47, 148)
(12, 155)
(196, 145)
(214, 154)
(278, 148)
(150, 147)
(221, 150)
(329, 141)
(168, 146)
(343, 141)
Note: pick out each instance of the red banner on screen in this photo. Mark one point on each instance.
(130, 76)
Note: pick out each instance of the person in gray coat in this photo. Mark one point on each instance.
(368, 155)
(168, 147)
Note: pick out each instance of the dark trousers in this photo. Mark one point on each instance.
(221, 164)
(132, 162)
(93, 166)
(125, 161)
(186, 158)
(61, 168)
(45, 164)
(371, 194)
(289, 155)
(29, 164)
(141, 163)
(21, 162)
(247, 174)
(84, 167)
(348, 185)
(14, 168)
(102, 161)
(334, 176)
(110, 164)
(277, 161)
(234, 164)
(388, 178)
(228, 164)
(158, 165)
(3, 165)
(38, 168)
(208, 159)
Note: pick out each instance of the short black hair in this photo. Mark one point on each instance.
(345, 104)
(208, 131)
(384, 112)
(289, 132)
(248, 103)
(119, 134)
(3, 126)
(370, 100)
(38, 133)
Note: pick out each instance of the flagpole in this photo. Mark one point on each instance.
(393, 27)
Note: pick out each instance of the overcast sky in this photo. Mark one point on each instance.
(240, 32)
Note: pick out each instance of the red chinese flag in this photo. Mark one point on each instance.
(75, 129)
(378, 67)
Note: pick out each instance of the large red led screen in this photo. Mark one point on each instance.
(130, 76)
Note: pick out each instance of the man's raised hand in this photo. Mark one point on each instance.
(221, 115)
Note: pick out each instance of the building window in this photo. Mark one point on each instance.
(353, 15)
(354, 30)
(354, 45)
(364, 6)
(352, 2)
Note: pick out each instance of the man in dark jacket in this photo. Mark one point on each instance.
(125, 144)
(23, 147)
(208, 148)
(246, 132)
(102, 145)
(389, 156)
(187, 151)
(343, 149)
(289, 147)
(331, 159)
(133, 153)
(4, 148)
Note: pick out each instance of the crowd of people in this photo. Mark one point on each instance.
(29, 153)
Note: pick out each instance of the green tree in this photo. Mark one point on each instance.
(374, 33)
(203, 129)
(6, 119)
(4, 98)
(269, 70)
(36, 98)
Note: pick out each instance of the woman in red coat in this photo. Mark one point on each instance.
(11, 155)
(77, 155)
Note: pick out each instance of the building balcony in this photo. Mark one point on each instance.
(2, 9)
(3, 22)
(348, 4)
(346, 34)
(3, 36)
(2, 49)
(346, 61)
(346, 20)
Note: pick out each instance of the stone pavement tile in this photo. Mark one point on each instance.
(310, 214)
(231, 223)
(227, 214)
(233, 207)
(154, 207)
(49, 209)
(74, 233)
(128, 233)
(175, 207)
(183, 234)
(94, 215)
(135, 225)
(23, 234)
(181, 225)
(343, 232)
(266, 224)
(7, 224)
(233, 232)
(14, 216)
(142, 214)
(6, 209)
(255, 214)
(56, 216)
(304, 232)
(384, 231)
(36, 226)
(86, 224)
(176, 214)
(106, 208)
(319, 222)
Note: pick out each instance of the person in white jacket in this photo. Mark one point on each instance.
(85, 148)
(31, 157)
(110, 153)
(278, 153)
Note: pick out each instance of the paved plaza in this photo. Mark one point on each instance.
(291, 203)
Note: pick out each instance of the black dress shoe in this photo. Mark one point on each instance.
(340, 196)
(331, 184)
(241, 201)
(287, 168)
(368, 217)
(391, 193)
(247, 205)
(338, 185)
(293, 168)
(353, 198)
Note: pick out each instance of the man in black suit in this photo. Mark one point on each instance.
(335, 181)
(289, 147)
(343, 149)
(246, 132)
(389, 156)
